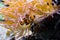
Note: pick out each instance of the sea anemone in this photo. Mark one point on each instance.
(20, 14)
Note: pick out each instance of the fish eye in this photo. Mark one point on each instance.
(47, 3)
(52, 3)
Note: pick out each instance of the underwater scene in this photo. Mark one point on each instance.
(29, 19)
